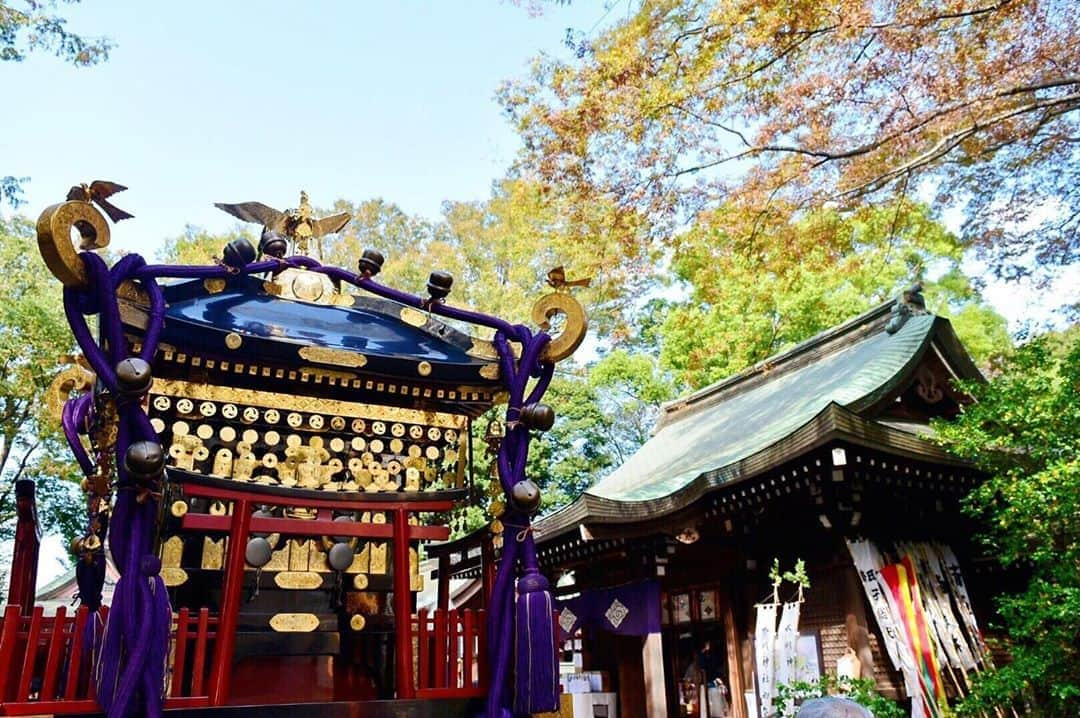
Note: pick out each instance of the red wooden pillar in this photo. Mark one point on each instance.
(221, 672)
(487, 568)
(403, 662)
(443, 592)
(24, 563)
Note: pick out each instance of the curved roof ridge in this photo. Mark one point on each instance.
(812, 349)
(848, 367)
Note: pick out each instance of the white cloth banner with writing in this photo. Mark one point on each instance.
(787, 645)
(765, 656)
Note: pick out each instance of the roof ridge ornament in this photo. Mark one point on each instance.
(911, 303)
(298, 225)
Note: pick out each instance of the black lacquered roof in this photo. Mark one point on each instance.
(243, 320)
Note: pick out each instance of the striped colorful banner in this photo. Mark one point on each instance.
(902, 583)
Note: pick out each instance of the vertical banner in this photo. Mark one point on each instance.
(904, 597)
(868, 562)
(764, 655)
(951, 569)
(935, 594)
(787, 643)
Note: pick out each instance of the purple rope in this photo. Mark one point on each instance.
(511, 460)
(69, 420)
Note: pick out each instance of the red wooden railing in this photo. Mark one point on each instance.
(45, 669)
(451, 655)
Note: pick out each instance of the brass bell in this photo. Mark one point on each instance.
(133, 376)
(525, 497)
(439, 284)
(272, 244)
(144, 459)
(371, 262)
(238, 253)
(537, 416)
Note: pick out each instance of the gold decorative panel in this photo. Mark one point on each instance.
(213, 553)
(298, 555)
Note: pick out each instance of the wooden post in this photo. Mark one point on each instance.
(736, 679)
(858, 633)
(444, 582)
(221, 673)
(403, 662)
(652, 663)
(24, 560)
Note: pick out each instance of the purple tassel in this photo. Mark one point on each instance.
(536, 687)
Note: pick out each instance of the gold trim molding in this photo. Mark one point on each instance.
(272, 400)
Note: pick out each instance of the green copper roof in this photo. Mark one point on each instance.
(852, 365)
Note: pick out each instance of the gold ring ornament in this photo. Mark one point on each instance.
(574, 329)
(75, 377)
(54, 239)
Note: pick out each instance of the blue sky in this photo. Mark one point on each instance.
(204, 102)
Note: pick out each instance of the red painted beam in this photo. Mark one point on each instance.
(300, 527)
(338, 502)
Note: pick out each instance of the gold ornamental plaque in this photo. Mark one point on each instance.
(294, 622)
(336, 357)
(174, 576)
(297, 580)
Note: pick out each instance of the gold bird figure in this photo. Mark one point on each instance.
(297, 224)
(96, 192)
(557, 279)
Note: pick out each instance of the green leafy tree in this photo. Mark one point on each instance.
(33, 25)
(1023, 430)
(197, 246)
(749, 300)
(33, 336)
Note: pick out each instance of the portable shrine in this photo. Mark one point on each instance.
(268, 442)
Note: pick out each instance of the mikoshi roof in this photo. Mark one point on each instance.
(823, 388)
(353, 340)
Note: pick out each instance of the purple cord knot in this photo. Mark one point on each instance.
(150, 565)
(532, 582)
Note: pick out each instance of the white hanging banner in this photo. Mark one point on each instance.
(936, 603)
(787, 642)
(765, 656)
(951, 568)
